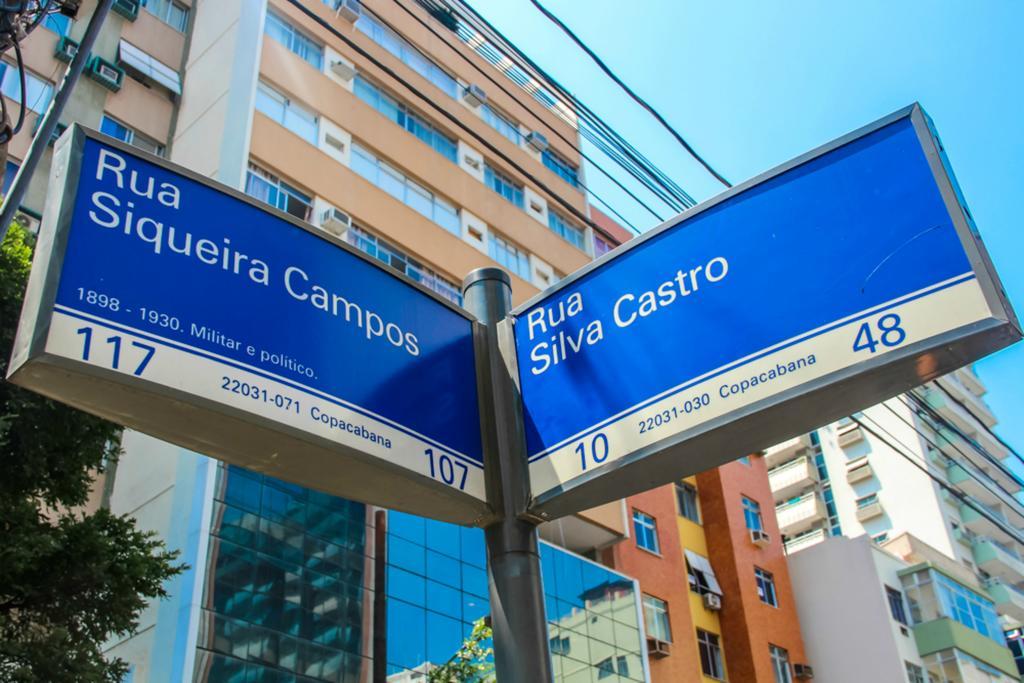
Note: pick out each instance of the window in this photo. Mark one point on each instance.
(879, 539)
(612, 665)
(601, 246)
(501, 123)
(701, 576)
(406, 190)
(563, 168)
(38, 92)
(169, 12)
(403, 263)
(508, 255)
(752, 514)
(915, 674)
(780, 664)
(412, 57)
(406, 118)
(745, 460)
(932, 595)
(766, 587)
(561, 226)
(503, 185)
(686, 496)
(116, 129)
(645, 528)
(146, 68)
(58, 23)
(292, 116)
(560, 646)
(710, 655)
(867, 500)
(656, 619)
(305, 47)
(270, 189)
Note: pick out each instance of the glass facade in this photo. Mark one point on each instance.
(296, 41)
(303, 587)
(933, 595)
(406, 118)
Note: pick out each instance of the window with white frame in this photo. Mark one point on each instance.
(116, 129)
(501, 123)
(686, 496)
(174, 14)
(394, 182)
(403, 263)
(296, 41)
(508, 255)
(565, 229)
(285, 111)
(408, 54)
(710, 650)
(645, 529)
(37, 91)
(562, 167)
(503, 185)
(406, 118)
(766, 587)
(656, 620)
(752, 514)
(780, 664)
(268, 188)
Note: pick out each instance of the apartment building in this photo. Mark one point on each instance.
(921, 615)
(926, 464)
(285, 582)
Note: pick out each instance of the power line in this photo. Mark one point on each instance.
(629, 91)
(969, 463)
(963, 497)
(922, 406)
(979, 421)
(480, 25)
(449, 116)
(527, 109)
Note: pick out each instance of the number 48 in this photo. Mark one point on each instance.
(890, 334)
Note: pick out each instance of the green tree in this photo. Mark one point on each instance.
(68, 580)
(472, 663)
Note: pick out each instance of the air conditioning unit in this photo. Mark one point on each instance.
(335, 221)
(658, 648)
(474, 95)
(537, 141)
(760, 538)
(349, 10)
(129, 9)
(343, 70)
(803, 672)
(66, 49)
(105, 73)
(712, 602)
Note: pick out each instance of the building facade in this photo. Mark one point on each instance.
(925, 464)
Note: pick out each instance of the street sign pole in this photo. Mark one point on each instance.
(513, 567)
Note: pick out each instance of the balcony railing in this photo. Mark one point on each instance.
(800, 514)
(792, 477)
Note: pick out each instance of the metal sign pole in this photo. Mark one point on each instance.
(513, 567)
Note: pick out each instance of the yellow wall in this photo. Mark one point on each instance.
(691, 535)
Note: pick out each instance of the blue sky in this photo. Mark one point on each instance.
(751, 85)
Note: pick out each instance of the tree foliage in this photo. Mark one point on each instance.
(69, 579)
(472, 663)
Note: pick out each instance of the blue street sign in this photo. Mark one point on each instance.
(167, 290)
(853, 269)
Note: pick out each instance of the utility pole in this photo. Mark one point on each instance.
(49, 123)
(513, 559)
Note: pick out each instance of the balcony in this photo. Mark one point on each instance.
(1008, 598)
(983, 526)
(955, 386)
(998, 560)
(805, 540)
(869, 507)
(800, 514)
(859, 470)
(792, 477)
(787, 450)
(957, 475)
(849, 434)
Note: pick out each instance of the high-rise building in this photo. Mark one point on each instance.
(925, 465)
(413, 139)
